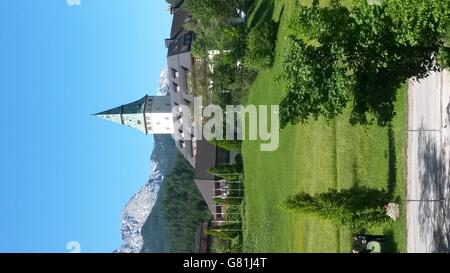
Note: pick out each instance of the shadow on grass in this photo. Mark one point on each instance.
(263, 13)
(277, 24)
(392, 174)
(389, 245)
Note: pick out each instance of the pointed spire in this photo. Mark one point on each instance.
(114, 114)
(131, 115)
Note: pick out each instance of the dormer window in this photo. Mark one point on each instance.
(181, 144)
(176, 87)
(175, 73)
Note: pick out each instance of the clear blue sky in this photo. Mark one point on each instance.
(65, 175)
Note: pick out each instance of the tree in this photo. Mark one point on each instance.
(230, 145)
(228, 201)
(229, 82)
(356, 208)
(227, 172)
(183, 207)
(261, 46)
(206, 9)
(225, 169)
(225, 232)
(363, 54)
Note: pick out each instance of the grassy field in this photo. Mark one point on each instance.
(315, 157)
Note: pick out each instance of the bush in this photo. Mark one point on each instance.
(261, 46)
(357, 208)
(225, 170)
(225, 235)
(229, 201)
(361, 55)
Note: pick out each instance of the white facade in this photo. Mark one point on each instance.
(158, 115)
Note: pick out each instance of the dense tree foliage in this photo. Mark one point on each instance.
(229, 82)
(207, 9)
(361, 55)
(182, 205)
(357, 208)
(217, 27)
(261, 42)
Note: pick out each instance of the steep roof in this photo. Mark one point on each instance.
(180, 40)
(180, 17)
(205, 159)
(131, 114)
(207, 189)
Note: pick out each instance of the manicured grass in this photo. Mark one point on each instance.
(315, 157)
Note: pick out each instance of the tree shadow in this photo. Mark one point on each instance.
(389, 245)
(278, 22)
(392, 161)
(433, 177)
(263, 13)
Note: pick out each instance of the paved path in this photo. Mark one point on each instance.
(428, 208)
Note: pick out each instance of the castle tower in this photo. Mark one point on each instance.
(150, 115)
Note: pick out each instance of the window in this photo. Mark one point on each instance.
(187, 39)
(181, 144)
(175, 73)
(176, 87)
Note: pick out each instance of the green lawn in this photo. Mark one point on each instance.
(314, 157)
